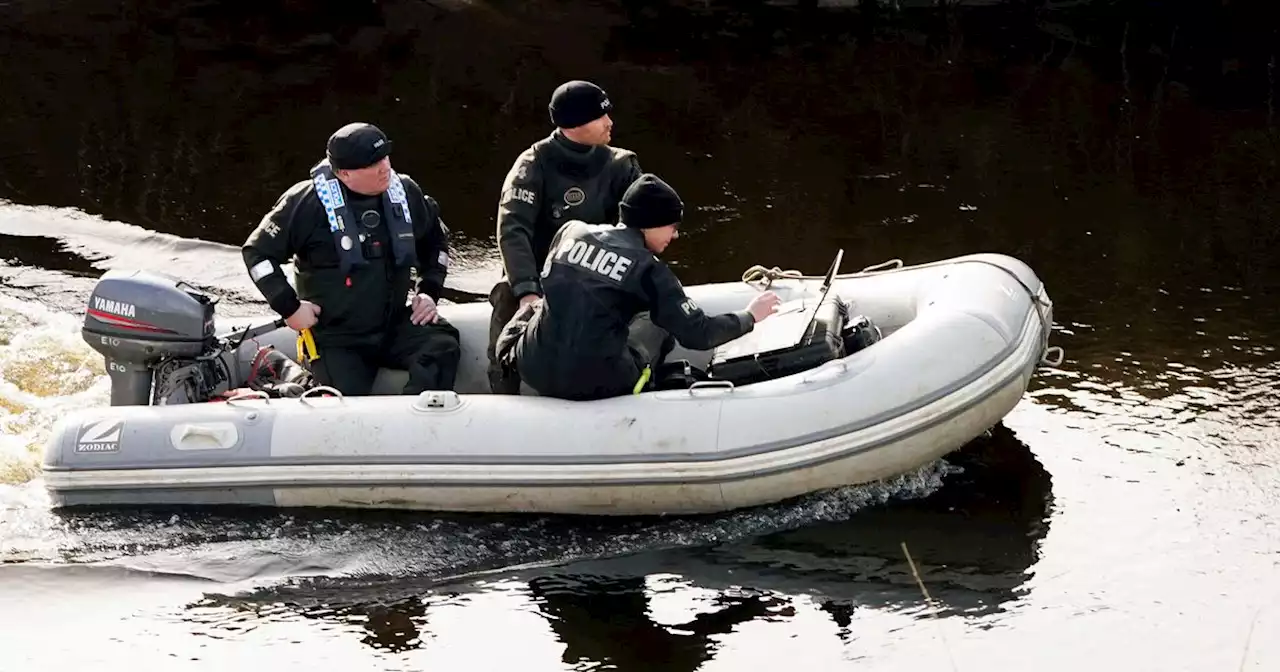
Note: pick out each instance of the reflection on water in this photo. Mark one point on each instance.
(607, 621)
(973, 542)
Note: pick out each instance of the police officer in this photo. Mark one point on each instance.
(597, 279)
(354, 231)
(571, 174)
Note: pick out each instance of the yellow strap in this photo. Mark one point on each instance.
(311, 344)
(644, 378)
(307, 347)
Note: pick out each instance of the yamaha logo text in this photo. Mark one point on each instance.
(114, 307)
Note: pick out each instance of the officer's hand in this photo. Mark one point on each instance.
(528, 299)
(304, 317)
(763, 305)
(424, 309)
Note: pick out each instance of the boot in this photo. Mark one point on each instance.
(503, 382)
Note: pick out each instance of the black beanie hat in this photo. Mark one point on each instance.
(576, 103)
(649, 203)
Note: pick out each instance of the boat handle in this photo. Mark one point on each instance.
(1048, 357)
(249, 394)
(303, 399)
(711, 385)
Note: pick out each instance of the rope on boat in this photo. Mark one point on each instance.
(762, 278)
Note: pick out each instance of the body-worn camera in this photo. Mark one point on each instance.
(369, 243)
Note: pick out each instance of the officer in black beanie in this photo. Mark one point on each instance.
(581, 342)
(572, 173)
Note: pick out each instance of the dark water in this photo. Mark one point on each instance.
(1124, 516)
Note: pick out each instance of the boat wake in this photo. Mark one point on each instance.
(267, 553)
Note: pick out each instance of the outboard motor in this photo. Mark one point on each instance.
(153, 328)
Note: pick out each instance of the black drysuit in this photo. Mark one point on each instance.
(364, 319)
(552, 182)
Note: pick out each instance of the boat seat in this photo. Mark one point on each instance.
(390, 381)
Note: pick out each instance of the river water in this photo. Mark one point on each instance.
(1123, 516)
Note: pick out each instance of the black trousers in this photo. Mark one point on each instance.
(502, 379)
(429, 352)
(647, 345)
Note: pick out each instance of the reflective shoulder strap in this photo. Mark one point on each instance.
(395, 191)
(330, 193)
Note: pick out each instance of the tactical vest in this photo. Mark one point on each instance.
(394, 204)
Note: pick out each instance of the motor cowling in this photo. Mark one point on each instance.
(139, 319)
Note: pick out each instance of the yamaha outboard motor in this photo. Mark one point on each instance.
(152, 328)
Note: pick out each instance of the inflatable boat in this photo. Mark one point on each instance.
(794, 407)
